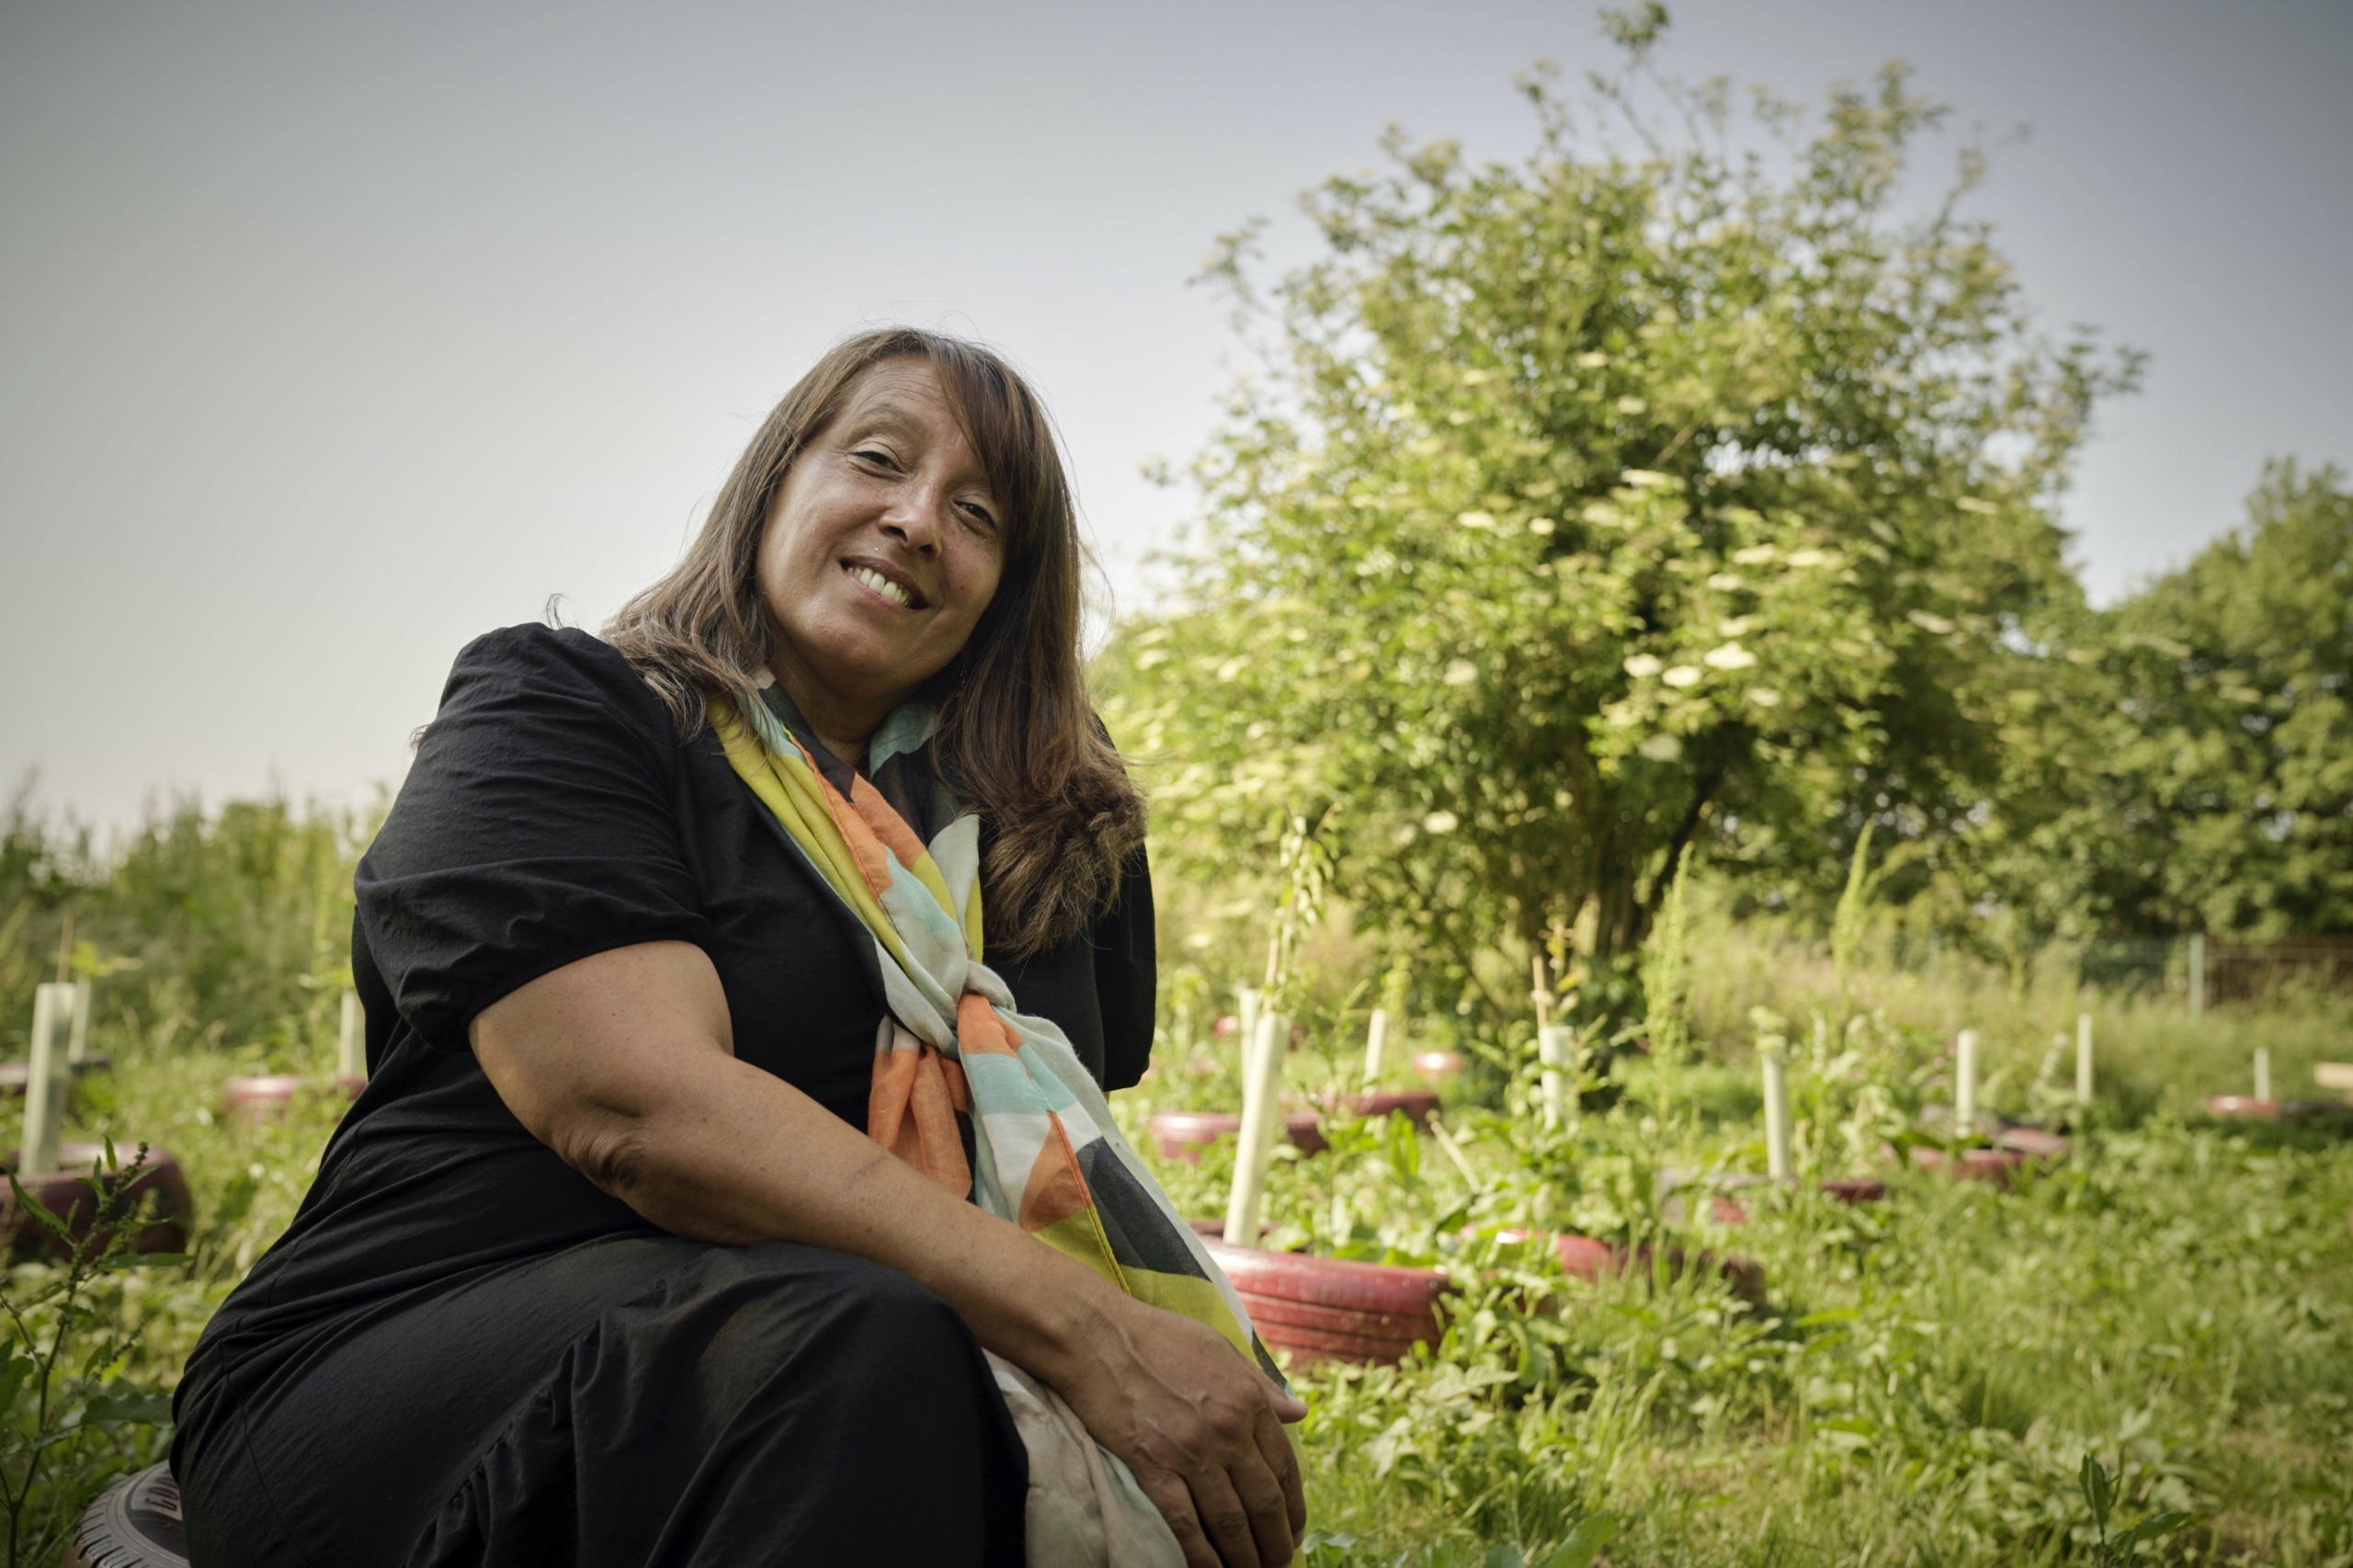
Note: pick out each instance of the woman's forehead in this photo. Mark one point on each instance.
(906, 388)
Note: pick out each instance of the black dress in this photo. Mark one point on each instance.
(463, 1353)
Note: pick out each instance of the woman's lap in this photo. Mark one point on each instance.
(630, 1403)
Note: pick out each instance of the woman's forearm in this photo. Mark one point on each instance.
(651, 1105)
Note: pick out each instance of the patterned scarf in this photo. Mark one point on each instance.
(952, 1055)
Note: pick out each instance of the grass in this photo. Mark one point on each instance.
(1921, 1385)
(1927, 1375)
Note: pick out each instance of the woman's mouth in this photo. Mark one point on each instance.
(869, 578)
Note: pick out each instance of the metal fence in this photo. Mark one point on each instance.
(2204, 972)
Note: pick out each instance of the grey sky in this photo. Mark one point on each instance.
(331, 335)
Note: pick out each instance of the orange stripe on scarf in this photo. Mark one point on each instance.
(911, 1110)
(888, 825)
(979, 1028)
(1056, 1190)
(864, 844)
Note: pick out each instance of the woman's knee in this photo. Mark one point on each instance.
(864, 1329)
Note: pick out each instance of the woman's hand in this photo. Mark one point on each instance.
(1201, 1428)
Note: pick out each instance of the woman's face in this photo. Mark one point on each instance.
(882, 547)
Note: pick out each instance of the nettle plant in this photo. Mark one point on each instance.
(1594, 506)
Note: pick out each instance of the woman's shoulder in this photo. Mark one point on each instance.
(554, 664)
(535, 688)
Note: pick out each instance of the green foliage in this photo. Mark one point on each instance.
(2099, 1496)
(70, 1418)
(2226, 789)
(1923, 1383)
(1594, 502)
(230, 925)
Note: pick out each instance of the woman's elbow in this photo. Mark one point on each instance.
(638, 1158)
(613, 1149)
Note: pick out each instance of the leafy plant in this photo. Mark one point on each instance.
(2101, 1496)
(72, 1421)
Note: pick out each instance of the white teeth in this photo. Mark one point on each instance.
(881, 584)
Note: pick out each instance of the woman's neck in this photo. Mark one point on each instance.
(842, 725)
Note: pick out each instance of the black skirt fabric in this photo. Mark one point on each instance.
(633, 1402)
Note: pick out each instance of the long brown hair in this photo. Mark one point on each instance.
(1016, 734)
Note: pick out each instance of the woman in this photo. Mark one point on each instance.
(710, 1201)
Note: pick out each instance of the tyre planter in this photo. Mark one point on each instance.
(1437, 1066)
(1722, 1209)
(135, 1523)
(1593, 1261)
(265, 1097)
(1995, 1165)
(2033, 1142)
(1327, 1309)
(1727, 1211)
(1183, 1134)
(1417, 1106)
(69, 1193)
(2243, 1108)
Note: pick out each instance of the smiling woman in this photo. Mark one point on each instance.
(711, 1198)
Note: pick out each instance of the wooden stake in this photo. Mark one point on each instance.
(1964, 1085)
(1376, 1036)
(1777, 1115)
(1246, 1024)
(44, 1097)
(2083, 1059)
(1261, 1113)
(2262, 1072)
(350, 1041)
(1556, 1048)
(77, 1037)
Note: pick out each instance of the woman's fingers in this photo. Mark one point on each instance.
(1235, 1527)
(1169, 1494)
(1257, 1479)
(1281, 1455)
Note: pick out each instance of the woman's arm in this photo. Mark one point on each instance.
(623, 1064)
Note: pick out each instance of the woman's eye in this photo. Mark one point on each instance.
(980, 515)
(874, 455)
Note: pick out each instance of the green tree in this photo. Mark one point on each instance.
(2226, 789)
(1593, 505)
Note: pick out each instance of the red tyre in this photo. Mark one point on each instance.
(1995, 1165)
(1183, 1134)
(259, 1098)
(68, 1193)
(1329, 1309)
(2243, 1108)
(2033, 1142)
(1417, 1105)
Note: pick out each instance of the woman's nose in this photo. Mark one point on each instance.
(917, 517)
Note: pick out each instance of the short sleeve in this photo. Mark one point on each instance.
(1127, 975)
(539, 823)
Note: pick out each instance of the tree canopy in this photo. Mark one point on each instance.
(2225, 787)
(1641, 492)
